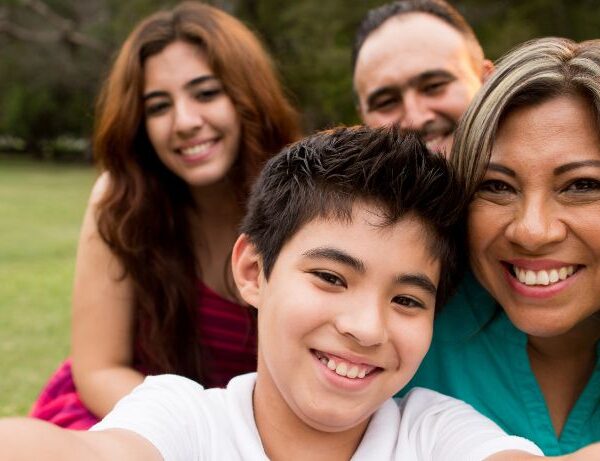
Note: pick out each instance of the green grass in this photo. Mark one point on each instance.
(41, 209)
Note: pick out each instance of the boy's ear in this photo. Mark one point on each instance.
(246, 265)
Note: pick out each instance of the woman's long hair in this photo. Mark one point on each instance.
(144, 215)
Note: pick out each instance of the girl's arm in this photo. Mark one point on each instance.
(102, 324)
(27, 439)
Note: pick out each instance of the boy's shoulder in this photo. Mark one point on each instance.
(185, 421)
(431, 425)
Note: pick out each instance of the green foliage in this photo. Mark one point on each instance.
(47, 87)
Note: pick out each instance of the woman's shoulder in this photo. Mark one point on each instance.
(466, 312)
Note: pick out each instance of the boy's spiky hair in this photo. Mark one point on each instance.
(323, 175)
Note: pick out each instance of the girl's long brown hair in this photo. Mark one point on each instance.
(144, 216)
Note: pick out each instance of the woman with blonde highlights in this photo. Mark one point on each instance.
(521, 339)
(189, 113)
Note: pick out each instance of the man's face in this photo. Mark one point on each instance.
(344, 319)
(417, 71)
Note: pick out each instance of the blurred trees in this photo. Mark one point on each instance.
(55, 53)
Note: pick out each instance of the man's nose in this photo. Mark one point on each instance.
(416, 112)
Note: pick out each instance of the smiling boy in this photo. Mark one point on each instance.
(349, 243)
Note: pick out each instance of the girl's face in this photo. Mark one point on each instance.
(190, 120)
(534, 225)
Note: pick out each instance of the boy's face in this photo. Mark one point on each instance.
(345, 317)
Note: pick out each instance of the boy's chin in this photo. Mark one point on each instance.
(332, 418)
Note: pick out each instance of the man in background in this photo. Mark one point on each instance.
(417, 63)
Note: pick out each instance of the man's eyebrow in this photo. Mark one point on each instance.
(417, 279)
(336, 255)
(574, 165)
(192, 83)
(429, 74)
(501, 169)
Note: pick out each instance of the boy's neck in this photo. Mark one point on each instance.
(284, 436)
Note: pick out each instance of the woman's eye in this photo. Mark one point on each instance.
(407, 301)
(329, 278)
(495, 186)
(584, 185)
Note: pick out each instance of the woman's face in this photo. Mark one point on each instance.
(191, 122)
(534, 225)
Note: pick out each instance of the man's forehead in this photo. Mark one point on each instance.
(407, 45)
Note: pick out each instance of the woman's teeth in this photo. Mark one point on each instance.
(543, 277)
(345, 369)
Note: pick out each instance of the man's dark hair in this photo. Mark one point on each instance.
(438, 8)
(323, 175)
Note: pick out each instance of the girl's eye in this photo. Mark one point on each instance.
(495, 186)
(155, 109)
(330, 278)
(208, 94)
(584, 185)
(407, 301)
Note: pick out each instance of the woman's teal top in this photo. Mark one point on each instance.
(478, 356)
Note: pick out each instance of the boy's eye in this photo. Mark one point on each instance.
(329, 278)
(408, 301)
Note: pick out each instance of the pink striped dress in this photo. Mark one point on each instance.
(227, 335)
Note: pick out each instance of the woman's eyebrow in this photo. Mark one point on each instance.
(501, 169)
(574, 165)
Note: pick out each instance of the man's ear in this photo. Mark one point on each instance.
(246, 265)
(487, 70)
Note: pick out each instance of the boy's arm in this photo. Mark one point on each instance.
(26, 439)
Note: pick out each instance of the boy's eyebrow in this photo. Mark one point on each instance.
(336, 255)
(417, 279)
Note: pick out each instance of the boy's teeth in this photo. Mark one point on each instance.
(343, 368)
(543, 277)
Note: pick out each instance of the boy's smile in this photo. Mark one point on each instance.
(344, 320)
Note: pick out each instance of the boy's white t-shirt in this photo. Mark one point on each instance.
(186, 422)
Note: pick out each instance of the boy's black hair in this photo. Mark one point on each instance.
(324, 174)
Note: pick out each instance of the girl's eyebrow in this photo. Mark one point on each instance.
(192, 83)
(199, 80)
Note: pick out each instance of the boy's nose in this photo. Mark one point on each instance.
(363, 323)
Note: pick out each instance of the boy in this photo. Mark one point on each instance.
(348, 245)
